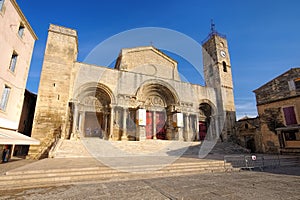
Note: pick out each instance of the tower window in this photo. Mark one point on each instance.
(224, 66)
(21, 30)
(4, 98)
(13, 62)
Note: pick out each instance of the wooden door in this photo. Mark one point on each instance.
(202, 130)
(149, 125)
(93, 123)
(160, 125)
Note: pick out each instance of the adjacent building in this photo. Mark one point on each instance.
(248, 133)
(278, 105)
(16, 45)
(141, 98)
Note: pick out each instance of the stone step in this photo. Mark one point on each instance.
(57, 180)
(61, 176)
(65, 180)
(104, 169)
(104, 173)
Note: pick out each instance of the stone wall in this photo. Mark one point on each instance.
(221, 79)
(272, 117)
(11, 17)
(51, 115)
(278, 88)
(149, 61)
(69, 91)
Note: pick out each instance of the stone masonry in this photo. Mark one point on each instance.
(78, 100)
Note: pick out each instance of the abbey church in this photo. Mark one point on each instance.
(141, 98)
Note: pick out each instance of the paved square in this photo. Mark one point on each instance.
(280, 183)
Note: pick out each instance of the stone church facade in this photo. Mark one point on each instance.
(142, 98)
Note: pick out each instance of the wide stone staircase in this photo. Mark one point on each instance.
(59, 171)
(100, 160)
(95, 160)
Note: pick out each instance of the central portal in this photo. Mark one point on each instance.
(160, 101)
(156, 125)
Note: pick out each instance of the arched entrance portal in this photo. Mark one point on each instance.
(94, 112)
(205, 120)
(159, 100)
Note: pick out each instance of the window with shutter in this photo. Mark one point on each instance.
(289, 115)
(13, 62)
(4, 98)
(21, 30)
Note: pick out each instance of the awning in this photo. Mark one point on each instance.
(14, 137)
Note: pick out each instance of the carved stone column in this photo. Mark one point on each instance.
(142, 133)
(170, 128)
(197, 128)
(81, 123)
(124, 132)
(154, 125)
(189, 134)
(75, 120)
(111, 125)
(180, 133)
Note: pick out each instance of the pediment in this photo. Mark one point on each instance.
(147, 60)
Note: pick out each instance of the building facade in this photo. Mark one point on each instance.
(16, 46)
(248, 133)
(278, 105)
(142, 98)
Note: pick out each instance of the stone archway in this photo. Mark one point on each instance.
(159, 100)
(92, 111)
(206, 121)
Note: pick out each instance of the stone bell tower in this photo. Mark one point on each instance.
(217, 74)
(52, 109)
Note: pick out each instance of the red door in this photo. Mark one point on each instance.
(149, 125)
(160, 125)
(202, 130)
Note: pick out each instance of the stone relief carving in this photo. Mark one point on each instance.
(127, 100)
(91, 103)
(154, 101)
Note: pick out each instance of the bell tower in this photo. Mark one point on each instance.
(217, 74)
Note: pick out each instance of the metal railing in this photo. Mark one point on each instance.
(251, 162)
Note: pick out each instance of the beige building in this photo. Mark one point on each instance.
(278, 106)
(16, 45)
(142, 98)
(248, 133)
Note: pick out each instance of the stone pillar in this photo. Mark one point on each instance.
(180, 133)
(170, 129)
(197, 128)
(105, 132)
(75, 125)
(111, 125)
(142, 133)
(81, 123)
(154, 125)
(12, 150)
(124, 132)
(189, 134)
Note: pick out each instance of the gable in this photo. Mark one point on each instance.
(279, 88)
(149, 61)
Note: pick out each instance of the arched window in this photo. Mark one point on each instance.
(224, 66)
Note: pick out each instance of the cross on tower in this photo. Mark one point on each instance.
(212, 26)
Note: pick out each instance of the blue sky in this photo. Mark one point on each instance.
(263, 36)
